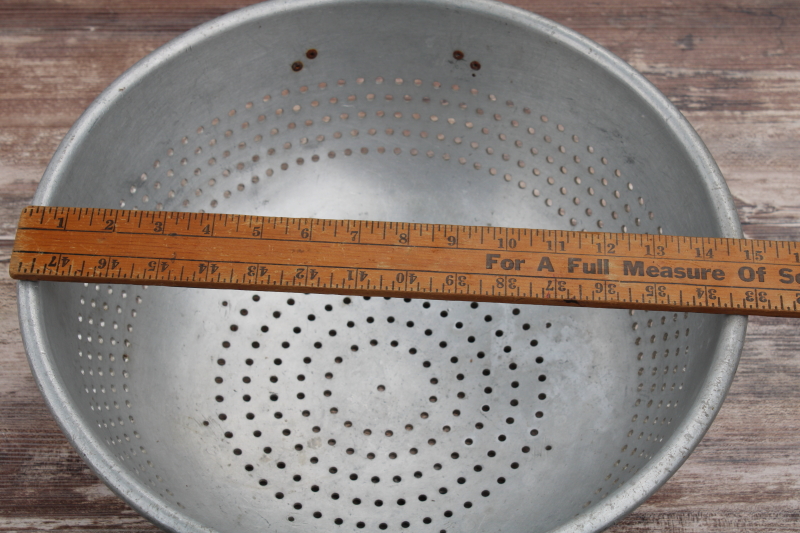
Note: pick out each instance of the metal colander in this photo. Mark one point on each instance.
(239, 411)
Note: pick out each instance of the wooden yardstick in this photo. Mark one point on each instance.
(618, 270)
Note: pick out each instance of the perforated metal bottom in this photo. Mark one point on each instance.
(255, 412)
(395, 412)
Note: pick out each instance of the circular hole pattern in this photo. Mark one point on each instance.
(495, 388)
(591, 190)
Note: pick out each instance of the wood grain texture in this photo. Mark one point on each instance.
(732, 69)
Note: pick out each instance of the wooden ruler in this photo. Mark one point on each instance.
(437, 261)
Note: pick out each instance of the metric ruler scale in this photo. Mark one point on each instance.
(408, 260)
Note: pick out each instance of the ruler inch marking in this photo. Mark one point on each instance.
(183, 258)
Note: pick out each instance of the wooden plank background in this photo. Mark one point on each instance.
(732, 67)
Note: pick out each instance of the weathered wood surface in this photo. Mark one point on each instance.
(733, 70)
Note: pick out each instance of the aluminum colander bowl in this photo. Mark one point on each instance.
(213, 410)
